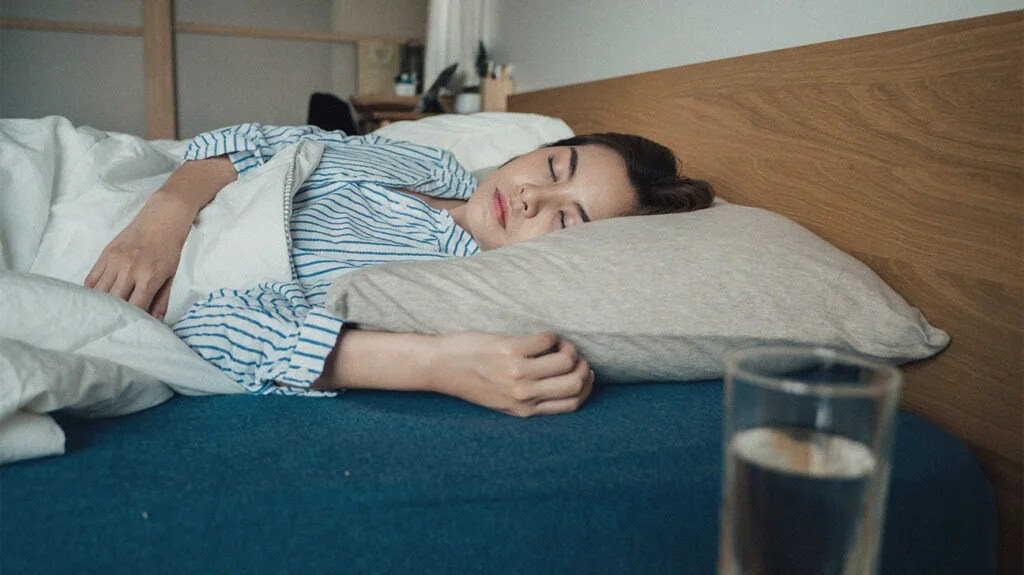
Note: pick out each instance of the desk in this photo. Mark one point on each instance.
(376, 110)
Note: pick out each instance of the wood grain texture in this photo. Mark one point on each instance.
(81, 27)
(158, 63)
(202, 29)
(905, 149)
(287, 34)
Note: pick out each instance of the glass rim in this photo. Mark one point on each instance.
(891, 377)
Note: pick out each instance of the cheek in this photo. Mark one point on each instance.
(534, 228)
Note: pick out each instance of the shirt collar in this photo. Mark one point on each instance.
(452, 239)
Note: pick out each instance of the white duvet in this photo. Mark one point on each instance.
(65, 192)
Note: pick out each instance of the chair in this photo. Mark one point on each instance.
(329, 112)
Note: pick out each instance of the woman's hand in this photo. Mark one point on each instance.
(139, 264)
(522, 376)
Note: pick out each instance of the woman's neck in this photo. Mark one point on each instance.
(436, 203)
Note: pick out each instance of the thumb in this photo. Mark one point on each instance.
(536, 344)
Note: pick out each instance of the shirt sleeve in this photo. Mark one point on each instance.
(446, 177)
(251, 145)
(450, 180)
(263, 336)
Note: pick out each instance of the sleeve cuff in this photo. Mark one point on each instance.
(234, 142)
(317, 337)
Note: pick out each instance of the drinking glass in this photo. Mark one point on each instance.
(807, 440)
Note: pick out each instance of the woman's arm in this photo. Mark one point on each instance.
(523, 376)
(139, 263)
(270, 339)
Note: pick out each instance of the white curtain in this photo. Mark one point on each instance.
(455, 29)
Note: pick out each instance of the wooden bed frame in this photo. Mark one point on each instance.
(905, 150)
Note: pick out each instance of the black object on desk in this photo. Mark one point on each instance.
(429, 103)
(329, 112)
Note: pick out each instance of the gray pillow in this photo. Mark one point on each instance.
(652, 298)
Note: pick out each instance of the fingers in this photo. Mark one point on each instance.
(158, 308)
(139, 285)
(568, 404)
(556, 361)
(95, 273)
(142, 294)
(517, 375)
(123, 287)
(557, 374)
(105, 281)
(532, 345)
(139, 292)
(564, 386)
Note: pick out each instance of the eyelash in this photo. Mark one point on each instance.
(554, 178)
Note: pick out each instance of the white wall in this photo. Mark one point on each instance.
(378, 17)
(97, 80)
(93, 78)
(227, 80)
(381, 17)
(554, 43)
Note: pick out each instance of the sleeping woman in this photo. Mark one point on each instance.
(372, 201)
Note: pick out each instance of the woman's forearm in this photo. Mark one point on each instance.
(519, 375)
(195, 183)
(379, 360)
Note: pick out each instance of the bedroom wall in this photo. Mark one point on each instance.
(559, 43)
(93, 78)
(97, 80)
(381, 17)
(226, 80)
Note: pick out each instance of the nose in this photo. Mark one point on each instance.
(531, 201)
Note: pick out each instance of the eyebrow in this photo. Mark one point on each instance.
(573, 160)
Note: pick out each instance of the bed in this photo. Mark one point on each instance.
(395, 483)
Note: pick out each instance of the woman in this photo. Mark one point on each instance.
(372, 201)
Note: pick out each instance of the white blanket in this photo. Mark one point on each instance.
(65, 192)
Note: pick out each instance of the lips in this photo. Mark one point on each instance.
(498, 202)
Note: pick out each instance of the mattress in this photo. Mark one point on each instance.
(378, 482)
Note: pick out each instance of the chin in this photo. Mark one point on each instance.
(487, 244)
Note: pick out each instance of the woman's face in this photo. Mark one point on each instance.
(547, 190)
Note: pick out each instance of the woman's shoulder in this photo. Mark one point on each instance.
(438, 159)
(407, 147)
(424, 169)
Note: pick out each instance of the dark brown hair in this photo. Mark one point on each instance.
(654, 172)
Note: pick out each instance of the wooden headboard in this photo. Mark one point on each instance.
(905, 150)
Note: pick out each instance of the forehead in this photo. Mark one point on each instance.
(602, 182)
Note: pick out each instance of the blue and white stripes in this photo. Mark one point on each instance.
(348, 214)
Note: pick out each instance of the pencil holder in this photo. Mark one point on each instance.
(494, 94)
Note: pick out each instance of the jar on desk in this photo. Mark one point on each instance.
(405, 85)
(468, 101)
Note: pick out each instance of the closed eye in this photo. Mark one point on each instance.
(551, 166)
(561, 217)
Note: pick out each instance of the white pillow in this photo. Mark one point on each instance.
(653, 297)
(481, 142)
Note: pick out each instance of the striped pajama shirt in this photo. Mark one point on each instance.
(348, 214)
